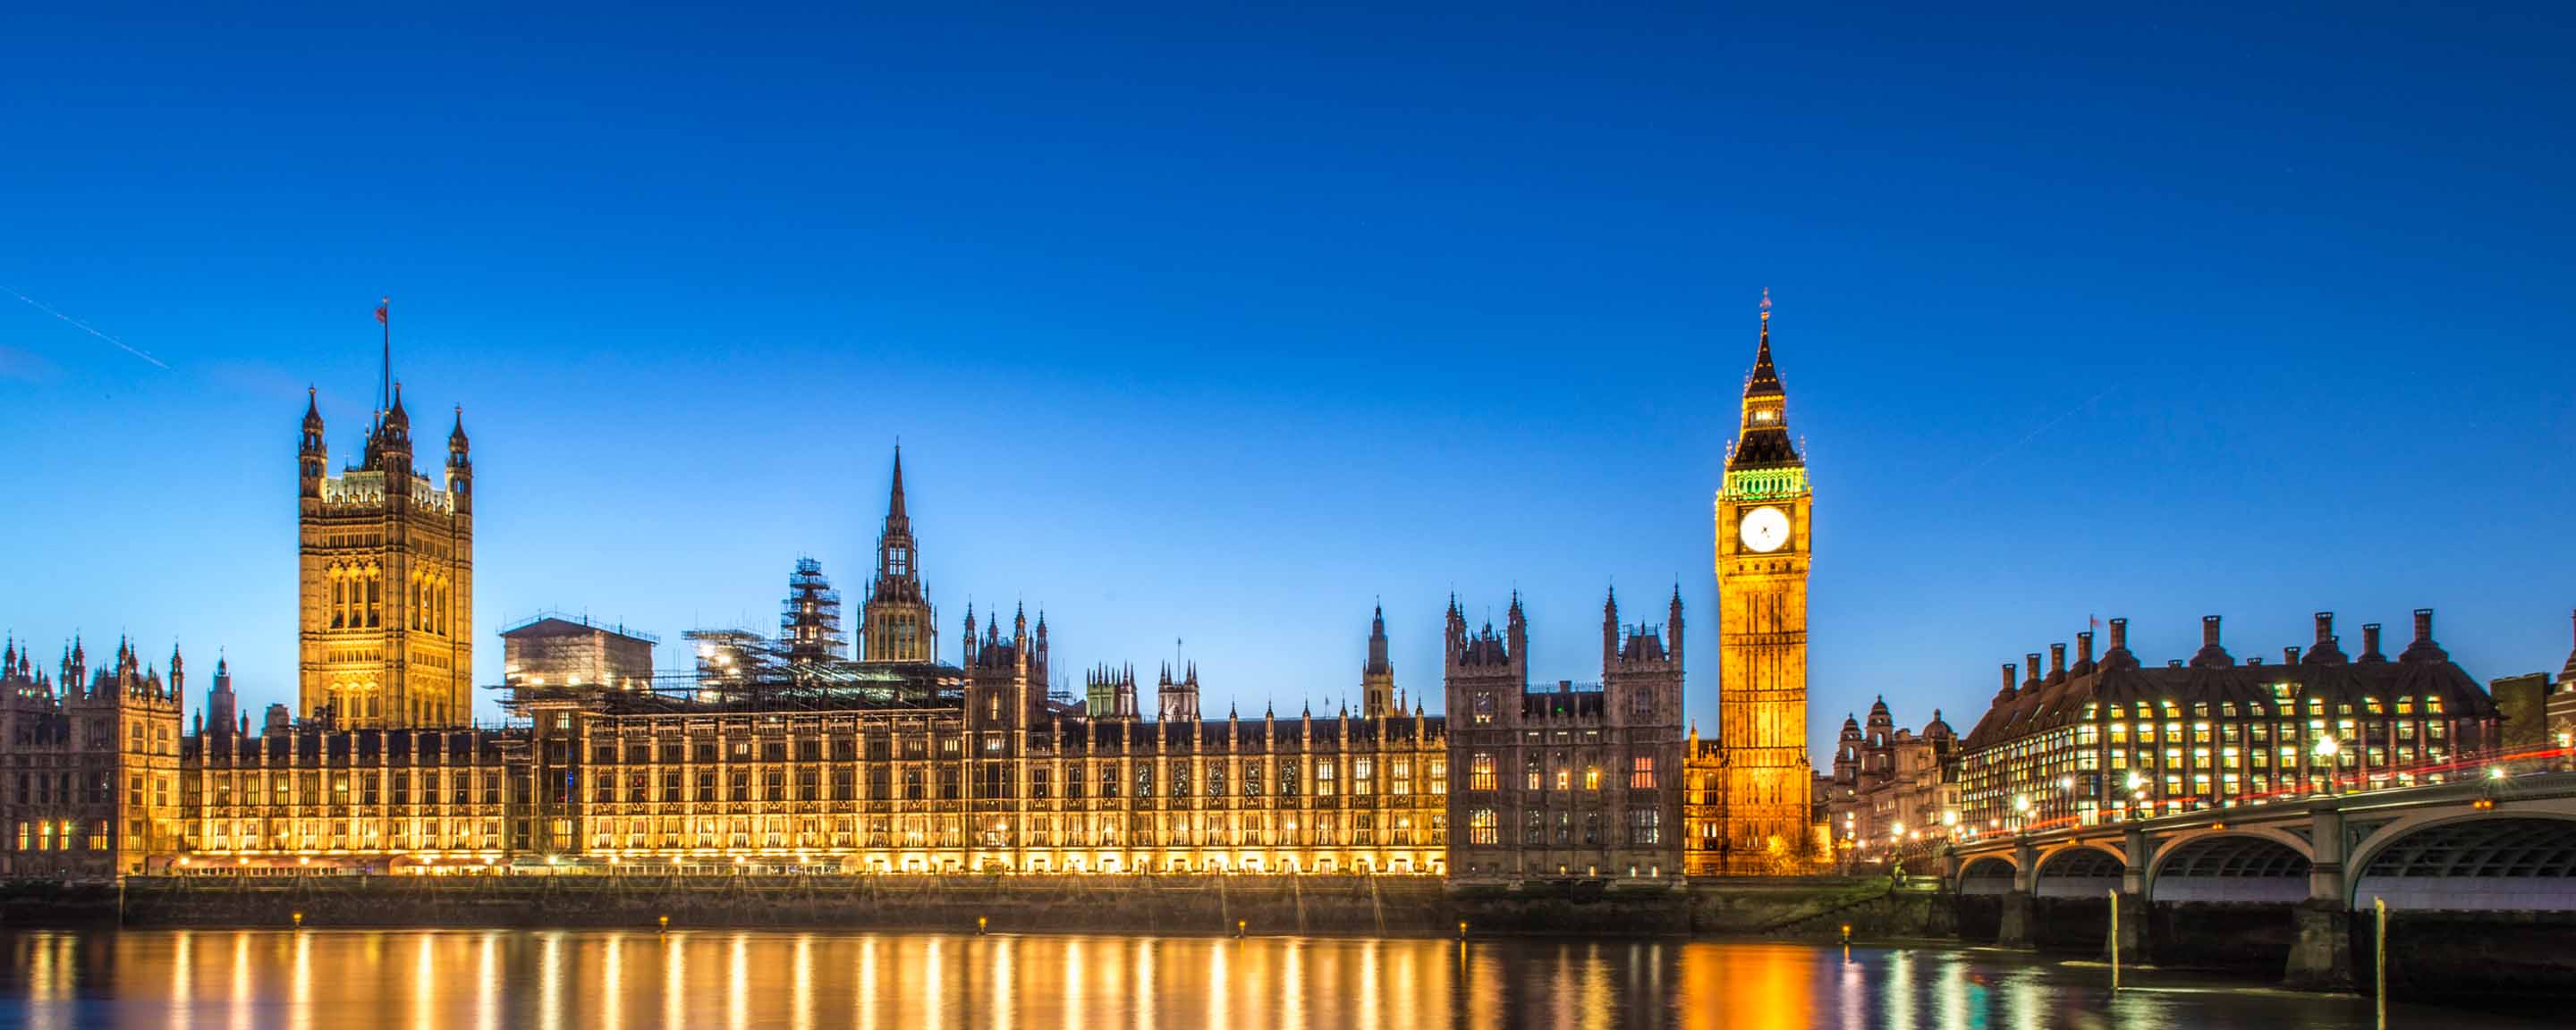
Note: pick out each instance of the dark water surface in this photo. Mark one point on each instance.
(591, 980)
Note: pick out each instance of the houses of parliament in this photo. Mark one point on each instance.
(813, 752)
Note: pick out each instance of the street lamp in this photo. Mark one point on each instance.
(2326, 748)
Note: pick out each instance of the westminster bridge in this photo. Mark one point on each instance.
(2478, 877)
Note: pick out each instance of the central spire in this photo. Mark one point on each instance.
(894, 504)
(898, 623)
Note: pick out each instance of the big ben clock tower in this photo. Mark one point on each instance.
(1762, 551)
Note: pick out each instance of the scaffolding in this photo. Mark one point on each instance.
(809, 622)
(740, 671)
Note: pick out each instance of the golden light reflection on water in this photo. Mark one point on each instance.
(575, 980)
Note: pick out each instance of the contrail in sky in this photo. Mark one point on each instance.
(83, 326)
(2026, 437)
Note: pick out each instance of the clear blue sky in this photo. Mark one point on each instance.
(1223, 326)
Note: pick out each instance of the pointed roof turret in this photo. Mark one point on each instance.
(1762, 439)
(2567, 674)
(1765, 378)
(395, 416)
(312, 411)
(456, 437)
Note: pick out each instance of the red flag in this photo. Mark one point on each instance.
(380, 311)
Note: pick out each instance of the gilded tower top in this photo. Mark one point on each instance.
(1762, 440)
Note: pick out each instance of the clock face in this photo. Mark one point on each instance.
(1764, 529)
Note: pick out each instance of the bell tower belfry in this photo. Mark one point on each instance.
(1763, 547)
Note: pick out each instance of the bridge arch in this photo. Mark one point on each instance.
(2519, 862)
(2078, 871)
(1988, 875)
(2261, 866)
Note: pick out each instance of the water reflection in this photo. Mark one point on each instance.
(612, 981)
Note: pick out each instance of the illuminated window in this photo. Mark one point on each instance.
(1480, 771)
(1642, 775)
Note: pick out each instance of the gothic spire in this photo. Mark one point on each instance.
(895, 516)
(1765, 379)
(1763, 439)
(1377, 663)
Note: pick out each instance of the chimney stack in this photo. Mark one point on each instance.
(2325, 628)
(2423, 625)
(2120, 634)
(2009, 679)
(2290, 656)
(2056, 663)
(2031, 660)
(2084, 648)
(2370, 640)
(2209, 631)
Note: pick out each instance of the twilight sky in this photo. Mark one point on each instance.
(1221, 327)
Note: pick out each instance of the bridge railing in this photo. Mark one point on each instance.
(2492, 764)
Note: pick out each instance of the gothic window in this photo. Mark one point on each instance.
(1480, 771)
(1645, 826)
(1532, 777)
(1480, 827)
(1642, 775)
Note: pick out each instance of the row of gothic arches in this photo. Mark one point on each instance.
(2489, 863)
(356, 598)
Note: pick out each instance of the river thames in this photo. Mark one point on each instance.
(579, 980)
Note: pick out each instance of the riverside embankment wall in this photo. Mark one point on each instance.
(1383, 906)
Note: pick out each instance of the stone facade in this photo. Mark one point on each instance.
(2117, 739)
(1565, 782)
(91, 782)
(1889, 795)
(386, 580)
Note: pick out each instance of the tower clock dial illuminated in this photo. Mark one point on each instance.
(1764, 529)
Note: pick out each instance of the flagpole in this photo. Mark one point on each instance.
(385, 385)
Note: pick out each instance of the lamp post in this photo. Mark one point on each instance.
(2326, 749)
(2021, 812)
